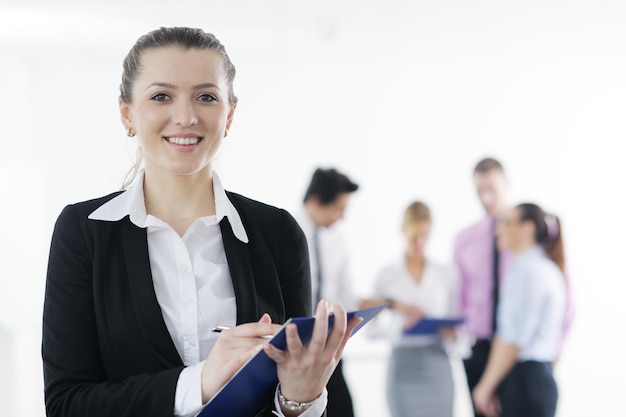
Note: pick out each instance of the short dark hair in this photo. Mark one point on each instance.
(328, 184)
(488, 164)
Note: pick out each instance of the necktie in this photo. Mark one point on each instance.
(496, 283)
(318, 265)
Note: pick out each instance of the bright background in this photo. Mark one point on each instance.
(403, 96)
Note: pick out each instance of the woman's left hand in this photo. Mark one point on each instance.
(485, 401)
(304, 371)
(448, 333)
(412, 314)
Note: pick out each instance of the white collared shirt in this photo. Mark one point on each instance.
(436, 294)
(191, 280)
(336, 278)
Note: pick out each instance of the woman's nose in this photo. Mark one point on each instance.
(185, 115)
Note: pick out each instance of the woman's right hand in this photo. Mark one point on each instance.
(485, 400)
(411, 313)
(232, 350)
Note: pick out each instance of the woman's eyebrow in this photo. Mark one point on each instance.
(205, 85)
(159, 84)
(174, 87)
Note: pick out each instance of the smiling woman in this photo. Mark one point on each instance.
(190, 106)
(137, 279)
(180, 117)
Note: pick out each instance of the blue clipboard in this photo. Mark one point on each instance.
(431, 325)
(252, 388)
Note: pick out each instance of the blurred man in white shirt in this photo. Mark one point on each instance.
(325, 202)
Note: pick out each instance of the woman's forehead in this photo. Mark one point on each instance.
(417, 227)
(167, 64)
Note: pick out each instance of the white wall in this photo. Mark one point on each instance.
(405, 96)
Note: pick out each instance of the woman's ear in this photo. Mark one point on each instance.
(231, 114)
(529, 228)
(125, 114)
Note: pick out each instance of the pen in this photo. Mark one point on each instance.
(219, 329)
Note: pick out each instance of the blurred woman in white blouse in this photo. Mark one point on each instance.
(419, 380)
(518, 380)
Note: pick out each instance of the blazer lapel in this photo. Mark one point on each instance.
(240, 266)
(147, 310)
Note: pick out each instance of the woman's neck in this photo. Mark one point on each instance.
(523, 247)
(179, 199)
(415, 264)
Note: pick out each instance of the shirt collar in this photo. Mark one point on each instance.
(131, 203)
(535, 251)
(305, 221)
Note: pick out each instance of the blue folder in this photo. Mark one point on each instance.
(250, 390)
(431, 325)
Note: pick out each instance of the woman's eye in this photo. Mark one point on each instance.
(207, 98)
(160, 97)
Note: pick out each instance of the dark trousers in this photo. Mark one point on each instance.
(529, 390)
(476, 364)
(339, 399)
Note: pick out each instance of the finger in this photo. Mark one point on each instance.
(229, 346)
(339, 327)
(352, 324)
(277, 355)
(265, 318)
(320, 328)
(252, 330)
(294, 344)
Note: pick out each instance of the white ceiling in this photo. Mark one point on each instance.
(308, 29)
(283, 24)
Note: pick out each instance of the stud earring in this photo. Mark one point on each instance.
(130, 132)
(226, 133)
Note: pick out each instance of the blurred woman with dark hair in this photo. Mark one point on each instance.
(518, 380)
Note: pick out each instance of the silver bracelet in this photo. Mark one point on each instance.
(293, 405)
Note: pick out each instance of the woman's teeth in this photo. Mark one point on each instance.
(183, 141)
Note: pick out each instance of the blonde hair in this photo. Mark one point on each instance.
(416, 212)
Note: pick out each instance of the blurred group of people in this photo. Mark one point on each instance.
(508, 284)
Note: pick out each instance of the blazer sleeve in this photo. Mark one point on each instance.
(76, 383)
(294, 269)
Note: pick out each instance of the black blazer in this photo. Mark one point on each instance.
(106, 349)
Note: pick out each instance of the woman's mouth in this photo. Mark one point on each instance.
(183, 141)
